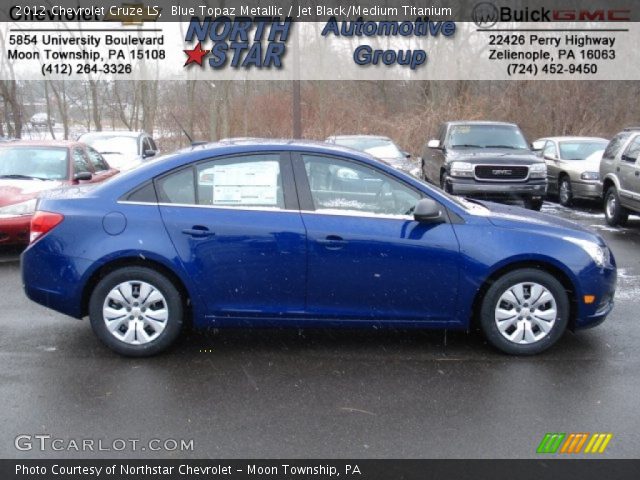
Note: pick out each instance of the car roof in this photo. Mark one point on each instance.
(573, 139)
(111, 133)
(381, 137)
(42, 143)
(480, 122)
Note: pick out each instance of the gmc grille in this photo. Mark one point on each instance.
(501, 172)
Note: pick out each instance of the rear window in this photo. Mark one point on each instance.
(615, 145)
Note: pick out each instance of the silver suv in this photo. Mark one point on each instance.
(620, 174)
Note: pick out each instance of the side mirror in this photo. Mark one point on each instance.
(627, 158)
(551, 157)
(435, 143)
(149, 153)
(427, 210)
(406, 154)
(82, 176)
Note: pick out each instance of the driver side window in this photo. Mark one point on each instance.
(341, 186)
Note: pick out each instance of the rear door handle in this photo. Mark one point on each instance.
(198, 231)
(333, 242)
(637, 173)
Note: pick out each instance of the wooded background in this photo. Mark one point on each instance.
(408, 112)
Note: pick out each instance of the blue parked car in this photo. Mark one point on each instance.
(302, 234)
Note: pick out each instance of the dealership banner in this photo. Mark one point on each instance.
(318, 469)
(296, 40)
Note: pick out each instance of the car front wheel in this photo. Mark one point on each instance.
(524, 312)
(614, 212)
(533, 204)
(136, 311)
(565, 193)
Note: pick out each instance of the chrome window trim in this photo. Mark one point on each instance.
(273, 210)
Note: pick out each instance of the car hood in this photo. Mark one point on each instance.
(498, 155)
(16, 191)
(507, 216)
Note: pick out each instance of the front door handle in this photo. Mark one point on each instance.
(333, 242)
(198, 231)
(637, 173)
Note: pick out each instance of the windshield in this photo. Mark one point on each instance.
(378, 147)
(45, 163)
(121, 144)
(580, 150)
(486, 136)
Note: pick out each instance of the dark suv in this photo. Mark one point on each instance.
(485, 159)
(620, 174)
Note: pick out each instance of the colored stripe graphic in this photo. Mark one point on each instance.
(551, 442)
(598, 443)
(573, 443)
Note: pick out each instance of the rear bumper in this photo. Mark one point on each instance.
(15, 230)
(63, 292)
(474, 188)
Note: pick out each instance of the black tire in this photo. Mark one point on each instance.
(488, 322)
(532, 204)
(614, 212)
(444, 183)
(161, 283)
(566, 200)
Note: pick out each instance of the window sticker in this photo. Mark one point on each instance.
(254, 183)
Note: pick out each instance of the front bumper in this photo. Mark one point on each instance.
(473, 188)
(584, 189)
(600, 282)
(15, 230)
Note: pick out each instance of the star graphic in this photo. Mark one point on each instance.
(195, 55)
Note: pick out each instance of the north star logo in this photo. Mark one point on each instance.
(245, 42)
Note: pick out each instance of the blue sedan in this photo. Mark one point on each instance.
(257, 233)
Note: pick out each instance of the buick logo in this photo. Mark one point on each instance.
(485, 14)
(502, 173)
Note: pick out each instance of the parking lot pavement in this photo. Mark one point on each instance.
(331, 393)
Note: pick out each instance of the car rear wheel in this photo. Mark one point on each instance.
(524, 312)
(565, 194)
(136, 311)
(614, 212)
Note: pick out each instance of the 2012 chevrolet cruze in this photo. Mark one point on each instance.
(303, 234)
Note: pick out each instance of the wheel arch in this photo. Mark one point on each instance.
(135, 261)
(543, 265)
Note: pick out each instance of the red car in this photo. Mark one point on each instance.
(30, 167)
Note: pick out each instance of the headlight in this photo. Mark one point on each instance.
(461, 169)
(590, 176)
(19, 209)
(600, 255)
(538, 170)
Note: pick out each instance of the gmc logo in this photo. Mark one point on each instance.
(502, 172)
(592, 15)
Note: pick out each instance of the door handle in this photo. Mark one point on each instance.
(637, 173)
(617, 169)
(198, 231)
(333, 242)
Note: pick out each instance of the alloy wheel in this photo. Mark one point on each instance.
(525, 313)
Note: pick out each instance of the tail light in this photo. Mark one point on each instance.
(43, 222)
